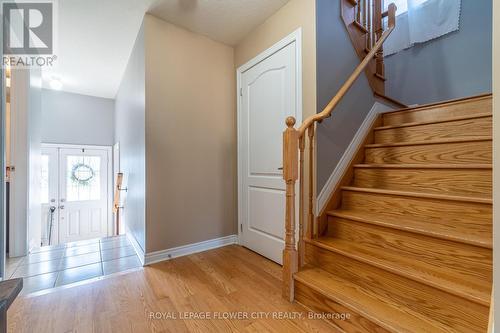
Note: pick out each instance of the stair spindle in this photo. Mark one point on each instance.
(365, 14)
(358, 12)
(310, 220)
(301, 244)
(378, 27)
(369, 42)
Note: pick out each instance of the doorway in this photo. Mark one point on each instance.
(270, 90)
(75, 193)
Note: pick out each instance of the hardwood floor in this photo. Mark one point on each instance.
(226, 281)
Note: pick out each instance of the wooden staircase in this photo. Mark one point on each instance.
(406, 241)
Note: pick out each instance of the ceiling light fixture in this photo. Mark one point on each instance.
(56, 84)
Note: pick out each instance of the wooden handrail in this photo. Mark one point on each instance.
(294, 144)
(327, 111)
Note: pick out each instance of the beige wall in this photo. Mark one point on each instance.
(295, 14)
(190, 137)
(190, 124)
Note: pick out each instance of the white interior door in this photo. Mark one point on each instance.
(269, 93)
(49, 194)
(83, 190)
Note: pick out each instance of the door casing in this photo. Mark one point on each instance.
(295, 36)
(109, 170)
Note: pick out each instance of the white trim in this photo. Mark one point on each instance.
(185, 250)
(350, 152)
(73, 146)
(295, 36)
(19, 157)
(135, 244)
(115, 162)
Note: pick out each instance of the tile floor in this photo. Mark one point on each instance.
(59, 265)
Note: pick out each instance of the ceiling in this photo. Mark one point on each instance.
(226, 21)
(95, 37)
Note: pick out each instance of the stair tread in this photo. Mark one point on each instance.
(438, 111)
(392, 261)
(474, 183)
(419, 194)
(438, 105)
(429, 122)
(431, 152)
(425, 166)
(471, 128)
(428, 142)
(383, 311)
(409, 224)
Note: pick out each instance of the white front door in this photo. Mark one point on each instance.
(83, 194)
(269, 93)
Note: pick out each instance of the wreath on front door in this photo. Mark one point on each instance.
(82, 174)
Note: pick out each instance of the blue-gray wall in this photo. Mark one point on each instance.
(456, 65)
(453, 66)
(130, 133)
(77, 119)
(336, 60)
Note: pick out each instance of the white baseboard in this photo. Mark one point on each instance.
(357, 141)
(185, 250)
(137, 248)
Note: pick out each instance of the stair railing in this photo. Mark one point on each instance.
(294, 142)
(369, 17)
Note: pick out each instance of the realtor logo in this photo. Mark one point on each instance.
(28, 28)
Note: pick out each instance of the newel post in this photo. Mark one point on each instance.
(290, 175)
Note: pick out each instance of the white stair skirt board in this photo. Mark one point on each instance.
(185, 250)
(357, 141)
(137, 248)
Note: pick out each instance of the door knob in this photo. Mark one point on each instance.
(61, 207)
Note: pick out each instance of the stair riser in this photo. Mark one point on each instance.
(321, 304)
(459, 258)
(471, 217)
(449, 153)
(427, 301)
(462, 129)
(441, 112)
(473, 182)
